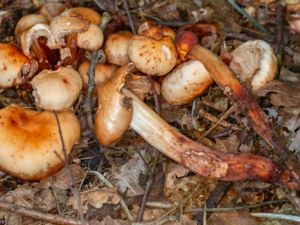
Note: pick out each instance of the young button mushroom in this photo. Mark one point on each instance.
(56, 90)
(254, 62)
(114, 111)
(186, 82)
(116, 48)
(154, 55)
(102, 72)
(31, 147)
(28, 21)
(11, 62)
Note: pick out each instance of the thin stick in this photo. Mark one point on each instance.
(252, 20)
(88, 104)
(277, 216)
(227, 209)
(20, 210)
(108, 184)
(213, 200)
(129, 17)
(223, 117)
(66, 162)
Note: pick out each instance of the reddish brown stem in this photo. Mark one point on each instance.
(201, 159)
(228, 82)
(71, 43)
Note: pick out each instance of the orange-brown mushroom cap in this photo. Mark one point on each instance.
(11, 62)
(31, 148)
(114, 111)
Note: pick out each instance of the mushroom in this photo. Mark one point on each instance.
(56, 90)
(254, 62)
(198, 158)
(89, 35)
(114, 111)
(116, 48)
(185, 83)
(51, 10)
(11, 62)
(102, 72)
(31, 147)
(83, 13)
(28, 21)
(154, 54)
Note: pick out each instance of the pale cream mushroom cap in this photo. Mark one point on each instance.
(116, 48)
(84, 13)
(50, 10)
(28, 21)
(152, 57)
(31, 148)
(11, 62)
(36, 31)
(185, 83)
(56, 90)
(92, 39)
(102, 72)
(254, 62)
(63, 25)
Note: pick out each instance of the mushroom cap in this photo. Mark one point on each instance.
(91, 39)
(63, 25)
(152, 57)
(50, 10)
(33, 33)
(31, 148)
(103, 72)
(11, 62)
(114, 111)
(56, 90)
(254, 62)
(116, 47)
(186, 82)
(28, 21)
(84, 13)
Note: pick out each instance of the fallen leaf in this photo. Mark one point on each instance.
(62, 179)
(95, 198)
(129, 174)
(232, 218)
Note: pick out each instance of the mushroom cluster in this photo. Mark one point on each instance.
(155, 60)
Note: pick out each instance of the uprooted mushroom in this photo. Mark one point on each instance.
(126, 109)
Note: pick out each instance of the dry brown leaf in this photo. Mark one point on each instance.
(129, 174)
(232, 218)
(95, 198)
(150, 214)
(230, 144)
(282, 94)
(45, 200)
(62, 180)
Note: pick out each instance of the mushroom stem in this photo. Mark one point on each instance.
(201, 159)
(228, 82)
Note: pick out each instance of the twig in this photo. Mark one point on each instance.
(224, 116)
(88, 104)
(280, 15)
(255, 23)
(108, 184)
(227, 209)
(125, 4)
(213, 200)
(20, 210)
(66, 162)
(55, 196)
(151, 170)
(277, 216)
